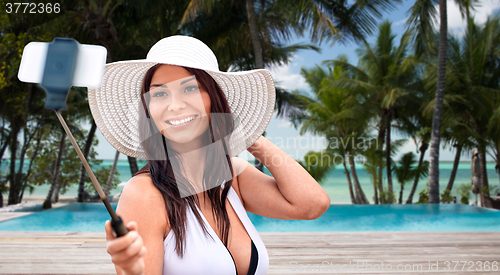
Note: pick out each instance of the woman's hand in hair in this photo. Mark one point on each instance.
(127, 251)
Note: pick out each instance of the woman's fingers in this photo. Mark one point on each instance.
(109, 230)
(130, 257)
(131, 263)
(127, 247)
(126, 251)
(110, 235)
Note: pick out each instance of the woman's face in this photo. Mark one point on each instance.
(178, 104)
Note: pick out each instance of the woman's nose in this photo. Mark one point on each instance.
(176, 102)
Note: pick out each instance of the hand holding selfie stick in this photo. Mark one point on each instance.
(67, 64)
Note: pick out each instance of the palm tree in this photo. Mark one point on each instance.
(415, 125)
(405, 171)
(480, 56)
(456, 134)
(337, 115)
(473, 84)
(373, 165)
(421, 21)
(424, 137)
(389, 76)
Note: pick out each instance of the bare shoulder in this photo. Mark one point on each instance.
(142, 202)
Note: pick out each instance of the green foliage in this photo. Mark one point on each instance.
(446, 197)
(102, 175)
(424, 195)
(464, 190)
(490, 190)
(318, 164)
(405, 169)
(464, 200)
(42, 171)
(386, 195)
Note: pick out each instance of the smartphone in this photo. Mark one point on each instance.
(88, 71)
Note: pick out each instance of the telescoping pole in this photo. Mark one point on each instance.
(116, 221)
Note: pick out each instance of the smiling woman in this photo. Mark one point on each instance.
(180, 108)
(188, 206)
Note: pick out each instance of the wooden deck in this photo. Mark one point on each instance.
(289, 253)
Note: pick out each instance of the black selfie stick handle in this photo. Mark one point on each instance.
(119, 227)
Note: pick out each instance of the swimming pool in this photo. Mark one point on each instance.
(417, 217)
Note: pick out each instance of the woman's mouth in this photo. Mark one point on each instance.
(182, 122)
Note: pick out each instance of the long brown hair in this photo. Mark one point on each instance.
(161, 171)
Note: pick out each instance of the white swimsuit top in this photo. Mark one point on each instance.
(202, 255)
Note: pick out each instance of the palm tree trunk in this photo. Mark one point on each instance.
(381, 138)
(86, 151)
(484, 175)
(15, 183)
(353, 199)
(34, 155)
(109, 183)
(400, 201)
(19, 175)
(455, 168)
(55, 195)
(48, 200)
(388, 156)
(257, 51)
(422, 150)
(380, 185)
(13, 191)
(2, 150)
(133, 165)
(438, 107)
(375, 184)
(4, 146)
(360, 195)
(254, 34)
(497, 167)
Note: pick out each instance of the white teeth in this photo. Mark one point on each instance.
(177, 122)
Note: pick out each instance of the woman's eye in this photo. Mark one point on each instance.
(191, 88)
(159, 94)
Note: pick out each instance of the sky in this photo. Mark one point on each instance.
(283, 134)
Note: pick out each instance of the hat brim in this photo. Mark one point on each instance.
(114, 105)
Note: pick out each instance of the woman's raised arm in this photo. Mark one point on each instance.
(290, 194)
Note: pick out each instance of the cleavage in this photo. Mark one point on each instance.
(240, 251)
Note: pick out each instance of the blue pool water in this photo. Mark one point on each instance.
(417, 217)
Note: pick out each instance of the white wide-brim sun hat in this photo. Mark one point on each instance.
(115, 104)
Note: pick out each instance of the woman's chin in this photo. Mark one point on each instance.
(183, 142)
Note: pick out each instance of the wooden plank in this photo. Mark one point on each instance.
(289, 253)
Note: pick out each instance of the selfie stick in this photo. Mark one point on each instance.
(116, 221)
(57, 80)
